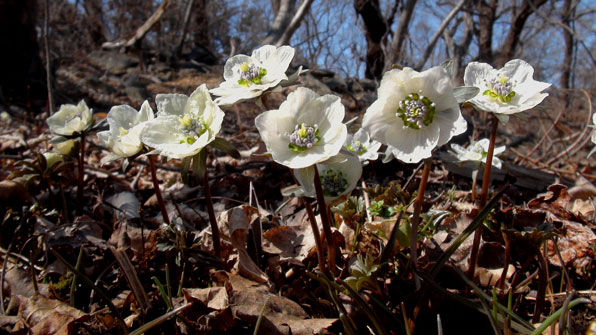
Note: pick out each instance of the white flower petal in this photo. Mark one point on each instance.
(170, 104)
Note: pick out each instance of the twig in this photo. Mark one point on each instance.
(529, 153)
(46, 39)
(580, 137)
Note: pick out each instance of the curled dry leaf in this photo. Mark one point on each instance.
(575, 238)
(48, 316)
(234, 224)
(294, 241)
(244, 303)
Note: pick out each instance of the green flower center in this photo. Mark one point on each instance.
(303, 137)
(357, 147)
(250, 74)
(192, 128)
(416, 111)
(500, 89)
(477, 148)
(333, 183)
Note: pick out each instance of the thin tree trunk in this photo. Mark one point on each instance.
(433, 40)
(184, 27)
(486, 19)
(517, 25)
(568, 10)
(294, 23)
(396, 50)
(376, 30)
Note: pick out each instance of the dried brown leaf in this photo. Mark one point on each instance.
(48, 316)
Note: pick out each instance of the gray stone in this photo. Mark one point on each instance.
(112, 61)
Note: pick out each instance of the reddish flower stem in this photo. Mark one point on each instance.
(160, 202)
(416, 217)
(80, 176)
(317, 236)
(483, 197)
(212, 219)
(331, 248)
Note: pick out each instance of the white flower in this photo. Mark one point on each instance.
(414, 113)
(248, 77)
(65, 147)
(52, 158)
(594, 133)
(506, 91)
(477, 152)
(338, 176)
(361, 144)
(126, 124)
(307, 129)
(71, 120)
(184, 125)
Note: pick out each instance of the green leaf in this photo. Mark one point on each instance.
(225, 146)
(199, 164)
(184, 169)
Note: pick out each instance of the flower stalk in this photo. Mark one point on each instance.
(160, 202)
(483, 196)
(416, 217)
(316, 234)
(80, 176)
(211, 212)
(331, 247)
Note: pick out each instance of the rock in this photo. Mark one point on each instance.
(320, 73)
(368, 84)
(12, 192)
(314, 84)
(335, 83)
(356, 85)
(112, 61)
(202, 55)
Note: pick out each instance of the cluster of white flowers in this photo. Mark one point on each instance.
(415, 112)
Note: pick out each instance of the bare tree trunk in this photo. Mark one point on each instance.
(94, 21)
(568, 11)
(486, 19)
(294, 23)
(395, 54)
(459, 50)
(518, 20)
(284, 11)
(376, 30)
(184, 28)
(433, 40)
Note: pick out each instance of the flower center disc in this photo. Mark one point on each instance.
(192, 128)
(333, 183)
(303, 137)
(250, 74)
(500, 89)
(416, 111)
(357, 147)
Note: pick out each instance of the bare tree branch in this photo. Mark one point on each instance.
(395, 51)
(433, 40)
(284, 39)
(141, 31)
(187, 12)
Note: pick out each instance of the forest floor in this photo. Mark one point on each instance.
(134, 271)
